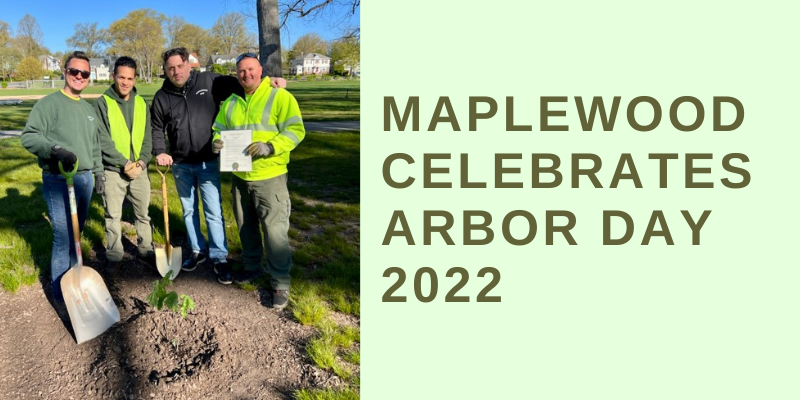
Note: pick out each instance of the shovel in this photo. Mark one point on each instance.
(169, 258)
(90, 306)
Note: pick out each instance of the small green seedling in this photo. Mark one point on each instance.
(160, 298)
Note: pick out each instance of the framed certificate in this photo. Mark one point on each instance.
(232, 157)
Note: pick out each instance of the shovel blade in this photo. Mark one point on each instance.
(166, 264)
(91, 309)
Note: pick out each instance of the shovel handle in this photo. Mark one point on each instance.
(166, 210)
(73, 208)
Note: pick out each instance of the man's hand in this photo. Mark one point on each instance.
(164, 159)
(259, 149)
(142, 165)
(99, 183)
(133, 170)
(277, 82)
(217, 145)
(65, 156)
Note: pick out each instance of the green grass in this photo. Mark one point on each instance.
(327, 394)
(319, 101)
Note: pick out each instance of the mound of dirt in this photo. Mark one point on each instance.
(230, 347)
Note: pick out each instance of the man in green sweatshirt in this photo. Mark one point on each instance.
(127, 146)
(62, 127)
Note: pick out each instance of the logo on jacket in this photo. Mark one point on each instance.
(201, 92)
(90, 118)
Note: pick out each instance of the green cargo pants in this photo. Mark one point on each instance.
(266, 203)
(138, 192)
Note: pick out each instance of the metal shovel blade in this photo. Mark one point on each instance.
(167, 261)
(90, 306)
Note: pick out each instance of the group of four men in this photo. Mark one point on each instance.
(116, 139)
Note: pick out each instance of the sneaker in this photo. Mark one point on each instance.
(223, 271)
(247, 277)
(191, 264)
(280, 298)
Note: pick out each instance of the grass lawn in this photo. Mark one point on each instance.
(319, 101)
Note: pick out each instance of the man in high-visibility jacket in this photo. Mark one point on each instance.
(125, 136)
(261, 195)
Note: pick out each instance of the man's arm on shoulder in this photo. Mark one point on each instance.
(224, 86)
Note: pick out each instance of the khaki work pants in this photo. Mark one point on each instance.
(118, 187)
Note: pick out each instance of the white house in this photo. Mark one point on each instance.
(50, 63)
(99, 69)
(223, 59)
(311, 63)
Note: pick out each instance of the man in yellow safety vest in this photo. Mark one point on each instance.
(261, 196)
(126, 140)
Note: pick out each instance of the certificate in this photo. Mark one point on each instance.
(232, 157)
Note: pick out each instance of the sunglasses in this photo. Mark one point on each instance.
(75, 72)
(245, 55)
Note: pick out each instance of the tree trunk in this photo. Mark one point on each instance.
(269, 37)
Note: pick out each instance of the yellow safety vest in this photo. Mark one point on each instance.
(119, 128)
(274, 117)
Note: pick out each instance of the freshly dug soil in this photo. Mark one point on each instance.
(232, 346)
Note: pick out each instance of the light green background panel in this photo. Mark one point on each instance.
(712, 321)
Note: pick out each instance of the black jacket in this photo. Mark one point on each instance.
(185, 115)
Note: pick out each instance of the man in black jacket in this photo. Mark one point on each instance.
(184, 110)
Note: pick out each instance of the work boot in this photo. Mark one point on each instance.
(223, 271)
(247, 277)
(148, 260)
(112, 268)
(191, 264)
(280, 298)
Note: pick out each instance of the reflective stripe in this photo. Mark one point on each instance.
(230, 110)
(289, 122)
(256, 127)
(268, 107)
(220, 126)
(291, 135)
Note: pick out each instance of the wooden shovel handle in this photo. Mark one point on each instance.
(166, 209)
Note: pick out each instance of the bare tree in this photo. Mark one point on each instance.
(318, 8)
(269, 36)
(88, 38)
(231, 35)
(172, 27)
(139, 35)
(29, 36)
(272, 17)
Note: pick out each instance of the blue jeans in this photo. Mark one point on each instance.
(205, 177)
(56, 196)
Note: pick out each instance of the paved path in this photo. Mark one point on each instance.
(311, 126)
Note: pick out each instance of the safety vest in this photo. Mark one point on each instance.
(119, 128)
(273, 116)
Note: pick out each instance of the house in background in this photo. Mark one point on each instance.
(99, 69)
(353, 71)
(50, 63)
(222, 59)
(311, 64)
(194, 62)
